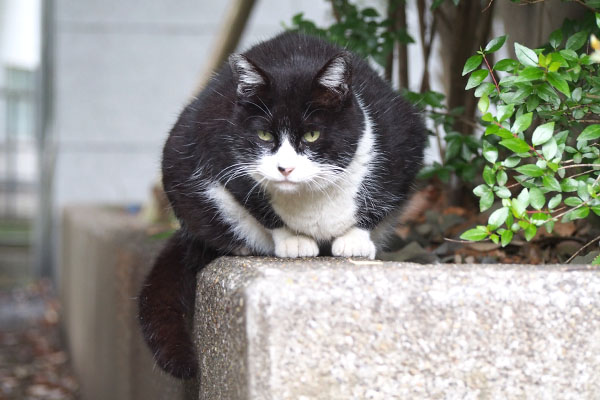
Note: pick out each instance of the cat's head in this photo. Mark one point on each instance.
(299, 122)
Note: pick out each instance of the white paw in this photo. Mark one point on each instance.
(355, 243)
(289, 245)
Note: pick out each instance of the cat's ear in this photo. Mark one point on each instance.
(250, 79)
(331, 86)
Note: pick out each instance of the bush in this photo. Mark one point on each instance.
(540, 141)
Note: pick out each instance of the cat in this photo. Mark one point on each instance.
(296, 148)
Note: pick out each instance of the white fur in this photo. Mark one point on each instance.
(333, 76)
(354, 243)
(244, 225)
(289, 244)
(328, 213)
(248, 76)
(286, 157)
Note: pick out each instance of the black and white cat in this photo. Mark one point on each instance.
(295, 148)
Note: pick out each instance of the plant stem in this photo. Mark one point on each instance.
(579, 165)
(582, 248)
(492, 74)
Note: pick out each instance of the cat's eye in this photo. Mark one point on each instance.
(312, 136)
(265, 136)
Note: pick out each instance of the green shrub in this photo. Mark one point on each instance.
(540, 140)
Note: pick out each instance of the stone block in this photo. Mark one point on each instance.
(350, 329)
(105, 255)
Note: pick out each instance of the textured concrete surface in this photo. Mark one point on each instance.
(343, 329)
(105, 255)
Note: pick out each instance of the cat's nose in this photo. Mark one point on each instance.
(285, 171)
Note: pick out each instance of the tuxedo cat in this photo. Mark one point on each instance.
(295, 148)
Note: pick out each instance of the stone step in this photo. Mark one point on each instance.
(349, 329)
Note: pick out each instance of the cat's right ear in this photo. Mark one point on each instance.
(250, 79)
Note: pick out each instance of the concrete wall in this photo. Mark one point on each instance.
(122, 72)
(106, 255)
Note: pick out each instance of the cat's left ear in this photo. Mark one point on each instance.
(249, 77)
(331, 86)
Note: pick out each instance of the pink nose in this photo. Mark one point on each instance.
(285, 171)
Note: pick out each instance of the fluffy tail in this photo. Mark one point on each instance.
(166, 305)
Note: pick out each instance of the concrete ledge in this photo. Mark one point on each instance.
(106, 253)
(341, 329)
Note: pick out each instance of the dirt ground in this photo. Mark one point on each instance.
(33, 364)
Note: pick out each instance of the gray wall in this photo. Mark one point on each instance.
(122, 72)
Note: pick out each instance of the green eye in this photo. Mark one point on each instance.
(265, 136)
(312, 136)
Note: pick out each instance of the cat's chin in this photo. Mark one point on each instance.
(285, 186)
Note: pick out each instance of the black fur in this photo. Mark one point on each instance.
(218, 129)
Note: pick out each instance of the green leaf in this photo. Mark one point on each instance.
(576, 41)
(518, 208)
(452, 149)
(472, 63)
(576, 94)
(505, 111)
(511, 161)
(522, 122)
(526, 56)
(488, 175)
(556, 38)
(542, 133)
(550, 182)
(530, 170)
(569, 55)
(546, 93)
(481, 190)
(582, 191)
(550, 226)
(486, 201)
(506, 237)
(554, 66)
(579, 213)
(504, 133)
(502, 191)
(517, 97)
(501, 178)
(498, 217)
(476, 78)
(549, 149)
(532, 103)
(483, 104)
(516, 145)
(490, 152)
(559, 83)
(569, 185)
(484, 89)
(495, 238)
(530, 232)
(523, 197)
(474, 235)
(539, 218)
(555, 201)
(495, 44)
(536, 198)
(591, 132)
(573, 201)
(531, 73)
(505, 65)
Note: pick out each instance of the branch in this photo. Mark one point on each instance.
(581, 249)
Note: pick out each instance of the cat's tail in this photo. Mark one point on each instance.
(166, 304)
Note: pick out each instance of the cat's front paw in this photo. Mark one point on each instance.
(355, 243)
(290, 245)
